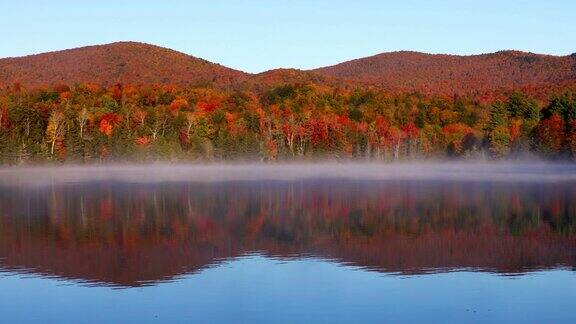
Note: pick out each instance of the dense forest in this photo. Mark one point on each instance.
(121, 62)
(86, 122)
(396, 72)
(454, 74)
(138, 102)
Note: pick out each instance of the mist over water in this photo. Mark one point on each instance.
(445, 171)
(206, 241)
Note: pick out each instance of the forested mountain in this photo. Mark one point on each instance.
(122, 62)
(141, 102)
(278, 77)
(452, 74)
(400, 72)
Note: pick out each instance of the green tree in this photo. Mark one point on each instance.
(498, 131)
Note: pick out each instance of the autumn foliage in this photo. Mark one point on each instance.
(551, 133)
(295, 121)
(107, 123)
(137, 101)
(132, 63)
(452, 74)
(107, 65)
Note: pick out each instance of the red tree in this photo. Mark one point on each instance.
(551, 134)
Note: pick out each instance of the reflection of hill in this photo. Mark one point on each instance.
(114, 265)
(130, 235)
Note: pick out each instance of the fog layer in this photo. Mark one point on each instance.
(462, 171)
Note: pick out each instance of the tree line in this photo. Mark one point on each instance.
(88, 123)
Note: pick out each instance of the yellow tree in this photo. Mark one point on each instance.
(82, 118)
(56, 128)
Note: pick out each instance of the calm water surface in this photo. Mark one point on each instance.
(89, 245)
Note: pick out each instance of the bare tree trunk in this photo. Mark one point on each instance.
(368, 150)
(290, 140)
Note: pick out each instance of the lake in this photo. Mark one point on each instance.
(437, 242)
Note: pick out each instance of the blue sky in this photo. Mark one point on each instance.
(259, 35)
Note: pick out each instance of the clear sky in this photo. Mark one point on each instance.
(258, 35)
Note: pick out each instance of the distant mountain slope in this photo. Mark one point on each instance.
(278, 77)
(447, 74)
(124, 62)
(139, 63)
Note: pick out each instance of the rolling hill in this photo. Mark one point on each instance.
(122, 62)
(264, 81)
(445, 74)
(435, 74)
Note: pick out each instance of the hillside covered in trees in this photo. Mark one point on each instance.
(453, 74)
(122, 62)
(143, 64)
(131, 101)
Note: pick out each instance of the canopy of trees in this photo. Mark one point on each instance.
(397, 72)
(85, 122)
(449, 74)
(125, 62)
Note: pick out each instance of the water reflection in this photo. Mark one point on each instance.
(134, 234)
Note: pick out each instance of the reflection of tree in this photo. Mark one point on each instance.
(129, 233)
